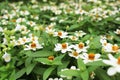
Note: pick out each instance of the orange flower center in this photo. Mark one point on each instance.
(13, 20)
(118, 60)
(75, 53)
(59, 33)
(51, 57)
(64, 46)
(33, 45)
(115, 48)
(91, 56)
(81, 45)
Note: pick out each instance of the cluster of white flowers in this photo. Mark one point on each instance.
(25, 24)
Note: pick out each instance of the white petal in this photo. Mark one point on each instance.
(108, 62)
(97, 56)
(84, 56)
(111, 71)
(118, 69)
(111, 57)
(63, 51)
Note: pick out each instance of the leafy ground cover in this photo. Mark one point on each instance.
(60, 40)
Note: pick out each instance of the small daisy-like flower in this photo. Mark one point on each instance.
(74, 54)
(107, 47)
(62, 47)
(6, 57)
(90, 57)
(50, 30)
(73, 38)
(19, 20)
(33, 46)
(22, 41)
(115, 48)
(80, 47)
(61, 34)
(117, 31)
(80, 33)
(31, 23)
(33, 37)
(22, 28)
(25, 12)
(114, 63)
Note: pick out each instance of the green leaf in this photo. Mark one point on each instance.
(48, 72)
(28, 61)
(95, 43)
(70, 73)
(76, 26)
(81, 64)
(56, 61)
(101, 74)
(85, 75)
(30, 68)
(44, 60)
(92, 68)
(42, 53)
(65, 64)
(96, 63)
(12, 76)
(20, 73)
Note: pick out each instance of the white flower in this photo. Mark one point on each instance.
(61, 34)
(33, 46)
(19, 20)
(33, 37)
(50, 29)
(22, 28)
(22, 41)
(6, 57)
(90, 57)
(80, 33)
(25, 12)
(117, 31)
(73, 38)
(74, 54)
(31, 23)
(107, 47)
(80, 47)
(80, 11)
(62, 47)
(114, 63)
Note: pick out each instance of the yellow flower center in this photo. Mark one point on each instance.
(33, 45)
(24, 40)
(75, 53)
(81, 45)
(91, 56)
(64, 46)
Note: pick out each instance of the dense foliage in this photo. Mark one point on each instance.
(60, 40)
